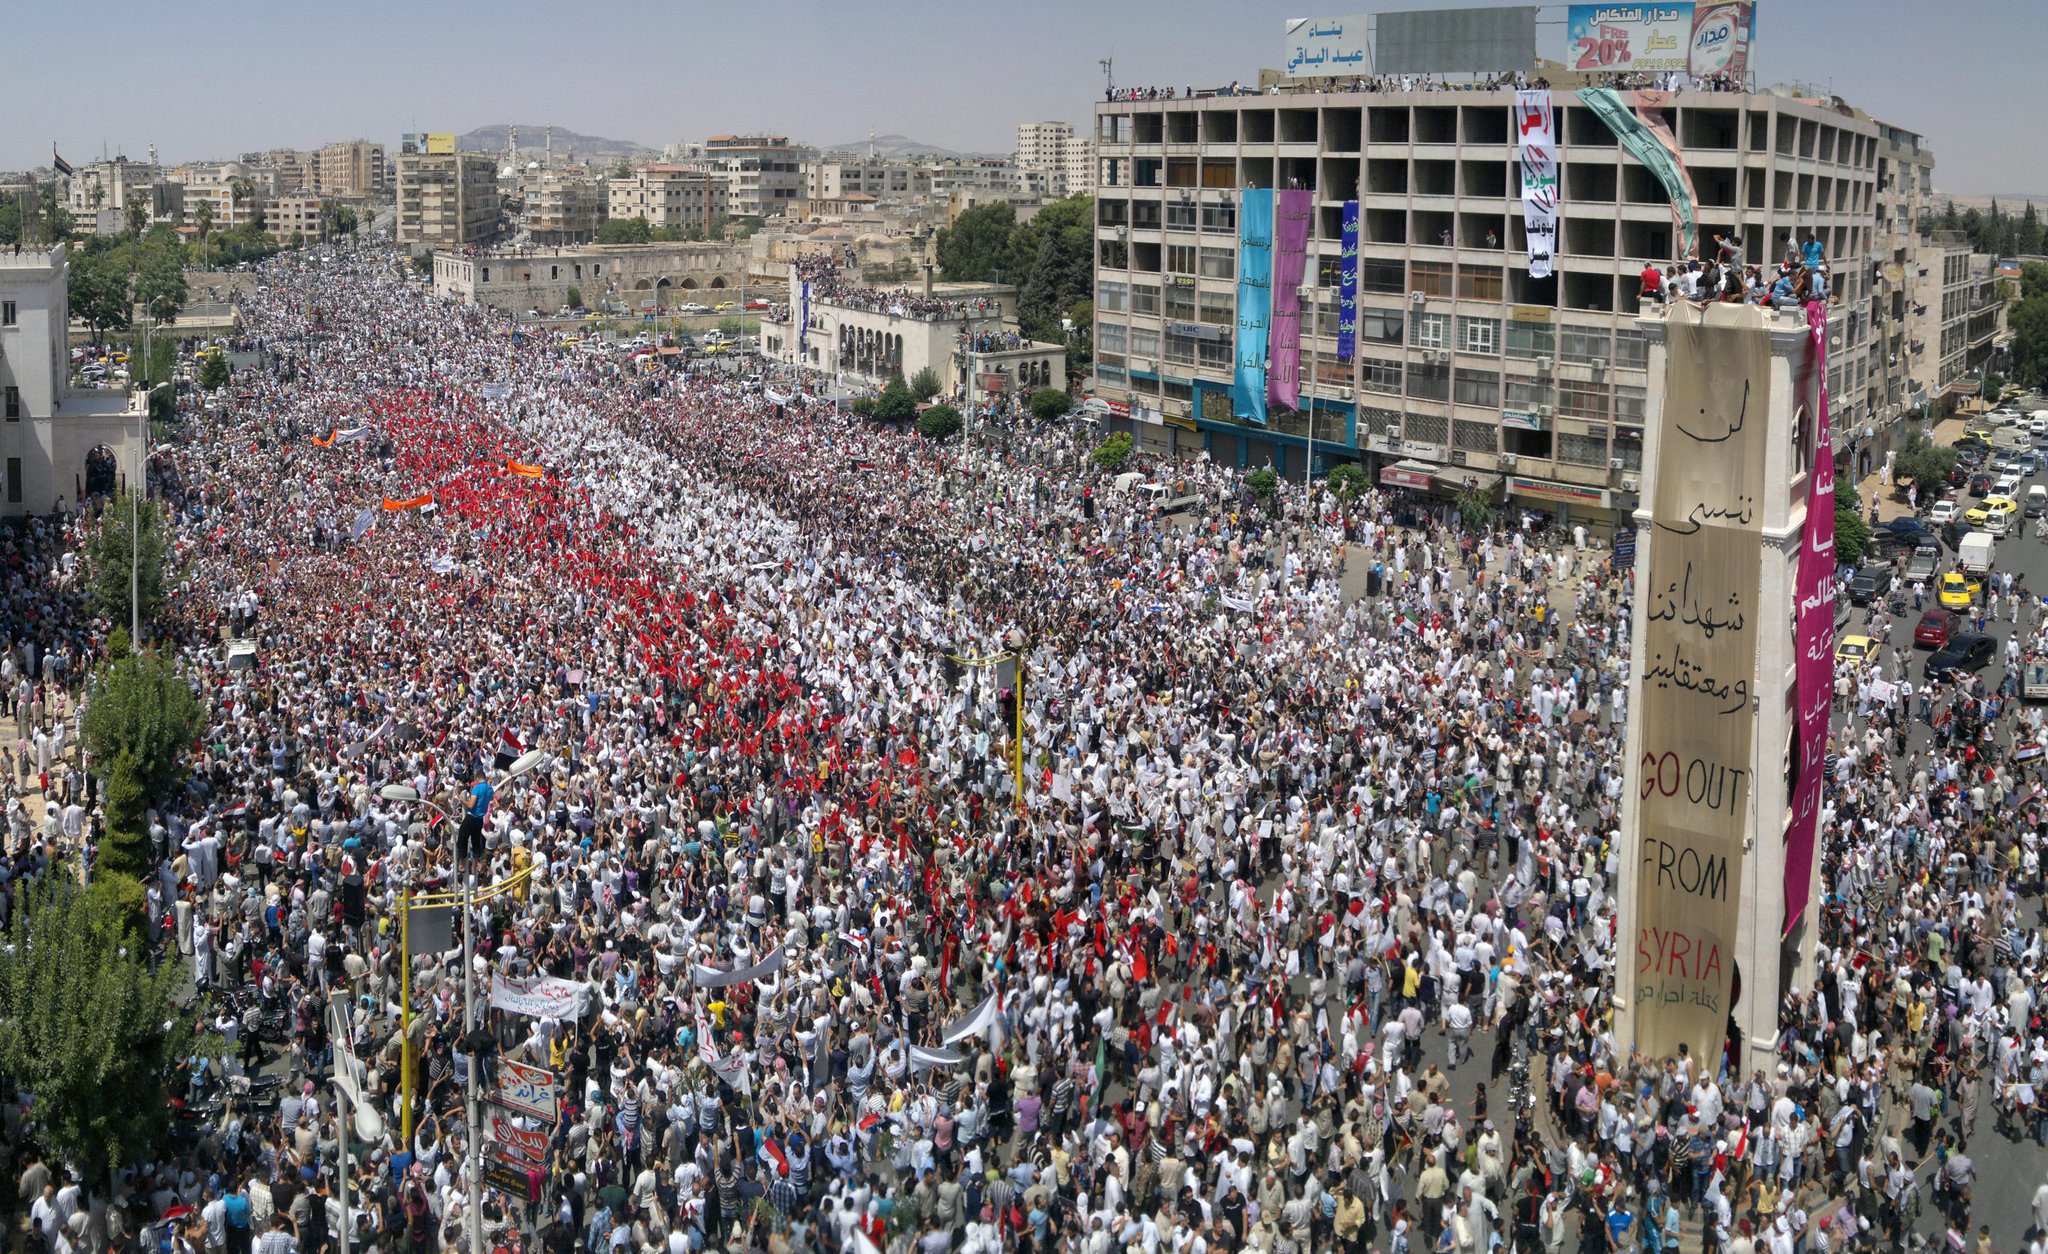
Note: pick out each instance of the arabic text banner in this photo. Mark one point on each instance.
(1536, 127)
(1813, 630)
(1683, 861)
(1254, 302)
(1326, 45)
(1347, 286)
(1649, 141)
(1290, 257)
(1622, 38)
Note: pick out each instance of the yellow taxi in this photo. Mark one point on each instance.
(1980, 514)
(571, 341)
(1957, 592)
(1981, 429)
(1853, 651)
(726, 306)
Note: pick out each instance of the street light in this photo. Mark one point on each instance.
(408, 795)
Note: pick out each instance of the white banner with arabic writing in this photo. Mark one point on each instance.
(1536, 127)
(542, 998)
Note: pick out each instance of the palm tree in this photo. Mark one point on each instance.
(202, 217)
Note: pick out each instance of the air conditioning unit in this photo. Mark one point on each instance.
(1343, 394)
(1614, 463)
(1544, 411)
(1508, 461)
(1597, 365)
(1546, 364)
(1631, 483)
(1417, 297)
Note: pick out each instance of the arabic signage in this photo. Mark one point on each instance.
(510, 1179)
(1683, 852)
(1545, 490)
(1405, 476)
(1536, 126)
(542, 998)
(1347, 286)
(517, 1144)
(1711, 37)
(1521, 420)
(1720, 37)
(440, 143)
(1326, 45)
(529, 1090)
(1290, 259)
(1813, 630)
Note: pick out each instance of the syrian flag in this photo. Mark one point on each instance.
(235, 811)
(983, 1019)
(922, 1059)
(62, 166)
(509, 749)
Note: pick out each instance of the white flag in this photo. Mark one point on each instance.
(982, 1019)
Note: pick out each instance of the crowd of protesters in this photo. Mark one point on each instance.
(1297, 937)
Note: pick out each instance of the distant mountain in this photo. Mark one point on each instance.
(535, 139)
(902, 148)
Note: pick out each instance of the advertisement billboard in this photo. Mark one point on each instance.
(1628, 37)
(1326, 45)
(440, 142)
(1684, 854)
(1721, 31)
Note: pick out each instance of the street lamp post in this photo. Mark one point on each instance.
(474, 1216)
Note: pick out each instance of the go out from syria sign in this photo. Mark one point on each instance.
(1700, 624)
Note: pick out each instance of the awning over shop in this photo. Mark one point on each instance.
(1406, 475)
(1459, 479)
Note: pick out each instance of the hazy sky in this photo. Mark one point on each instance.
(210, 78)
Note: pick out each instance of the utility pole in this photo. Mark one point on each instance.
(474, 1218)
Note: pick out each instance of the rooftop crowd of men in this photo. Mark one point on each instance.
(1320, 798)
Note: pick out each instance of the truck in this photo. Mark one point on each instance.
(1921, 567)
(1973, 555)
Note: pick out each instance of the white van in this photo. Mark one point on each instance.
(2036, 504)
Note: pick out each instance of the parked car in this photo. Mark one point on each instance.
(1934, 628)
(1868, 584)
(692, 307)
(1968, 651)
(1980, 484)
(1944, 510)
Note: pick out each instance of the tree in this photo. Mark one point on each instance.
(624, 231)
(573, 298)
(939, 422)
(2029, 322)
(140, 723)
(137, 210)
(109, 556)
(896, 404)
(1852, 532)
(1347, 480)
(1994, 387)
(83, 1023)
(160, 285)
(1113, 452)
(1057, 252)
(1924, 462)
(924, 384)
(1263, 483)
(98, 293)
(214, 373)
(423, 264)
(976, 248)
(1049, 403)
(1477, 508)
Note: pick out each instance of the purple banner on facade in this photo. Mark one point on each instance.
(1347, 286)
(803, 325)
(1291, 210)
(1812, 633)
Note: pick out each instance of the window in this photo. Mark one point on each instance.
(1382, 276)
(6, 313)
(1180, 349)
(1219, 217)
(1431, 382)
(13, 403)
(1219, 263)
(1429, 330)
(1477, 388)
(1582, 400)
(1381, 376)
(1380, 421)
(1145, 300)
(14, 481)
(1144, 343)
(1628, 403)
(1219, 307)
(1180, 303)
(1479, 282)
(1107, 375)
(1526, 394)
(1428, 428)
(1589, 449)
(1214, 353)
(1630, 349)
(1112, 297)
(1432, 278)
(1380, 325)
(1110, 337)
(1580, 345)
(1180, 258)
(1180, 216)
(1473, 437)
(1531, 339)
(1479, 335)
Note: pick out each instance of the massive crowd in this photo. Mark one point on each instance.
(1318, 800)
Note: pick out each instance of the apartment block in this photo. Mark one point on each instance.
(352, 168)
(669, 195)
(447, 200)
(1466, 372)
(293, 171)
(107, 185)
(301, 215)
(836, 179)
(763, 174)
(563, 208)
(1054, 149)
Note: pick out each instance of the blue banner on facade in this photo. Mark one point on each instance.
(1254, 303)
(1347, 286)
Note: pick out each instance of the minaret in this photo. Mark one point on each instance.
(871, 143)
(512, 145)
(550, 154)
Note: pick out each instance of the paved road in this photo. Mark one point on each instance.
(2008, 1172)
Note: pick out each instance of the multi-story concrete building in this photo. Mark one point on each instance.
(292, 170)
(563, 207)
(834, 178)
(300, 215)
(1956, 318)
(669, 195)
(446, 200)
(1466, 372)
(57, 445)
(762, 173)
(1066, 159)
(1898, 390)
(100, 186)
(352, 168)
